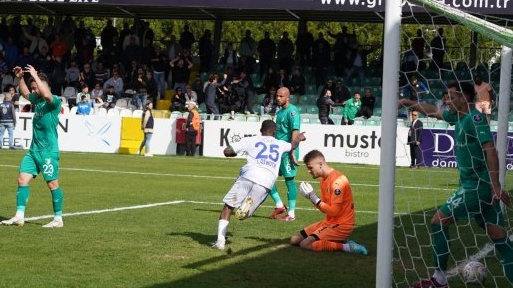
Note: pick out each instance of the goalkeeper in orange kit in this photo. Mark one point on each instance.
(332, 233)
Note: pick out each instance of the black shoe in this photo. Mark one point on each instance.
(11, 148)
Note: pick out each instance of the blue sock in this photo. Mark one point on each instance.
(22, 197)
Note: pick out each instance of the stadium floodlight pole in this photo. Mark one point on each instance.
(391, 51)
(503, 107)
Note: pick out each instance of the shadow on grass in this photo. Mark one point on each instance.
(272, 262)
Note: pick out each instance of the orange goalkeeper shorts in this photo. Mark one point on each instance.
(329, 231)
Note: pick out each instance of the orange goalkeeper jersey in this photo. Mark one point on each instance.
(337, 199)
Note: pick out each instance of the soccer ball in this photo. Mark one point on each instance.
(474, 273)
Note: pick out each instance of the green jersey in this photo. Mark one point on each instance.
(44, 124)
(470, 133)
(287, 120)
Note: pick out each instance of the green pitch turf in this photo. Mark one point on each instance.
(149, 222)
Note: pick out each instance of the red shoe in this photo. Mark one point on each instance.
(287, 218)
(278, 211)
(428, 283)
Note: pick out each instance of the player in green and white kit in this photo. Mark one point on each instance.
(288, 123)
(43, 155)
(479, 193)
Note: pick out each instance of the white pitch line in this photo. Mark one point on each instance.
(151, 206)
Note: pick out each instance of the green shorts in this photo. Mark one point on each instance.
(287, 168)
(35, 162)
(476, 203)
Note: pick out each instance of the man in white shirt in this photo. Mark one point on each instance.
(256, 178)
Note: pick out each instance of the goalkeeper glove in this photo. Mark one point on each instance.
(307, 191)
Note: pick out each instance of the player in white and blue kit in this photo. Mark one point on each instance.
(256, 178)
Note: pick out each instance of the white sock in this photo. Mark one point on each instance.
(57, 218)
(346, 248)
(292, 213)
(221, 229)
(440, 277)
(20, 214)
(279, 205)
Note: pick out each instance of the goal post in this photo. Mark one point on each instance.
(403, 253)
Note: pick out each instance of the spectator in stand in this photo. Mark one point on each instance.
(128, 38)
(197, 87)
(57, 76)
(438, 46)
(247, 50)
(72, 75)
(146, 53)
(25, 58)
(192, 128)
(205, 51)
(352, 109)
(37, 42)
(358, 62)
(100, 73)
(159, 63)
(84, 91)
(87, 76)
(210, 94)
(132, 52)
(321, 60)
(11, 52)
(229, 58)
(151, 87)
(368, 102)
(304, 43)
(109, 98)
(186, 39)
(117, 82)
(249, 91)
(341, 93)
(15, 97)
(269, 106)
(147, 123)
(284, 51)
(324, 105)
(7, 120)
(484, 98)
(107, 35)
(328, 85)
(190, 95)
(230, 101)
(173, 50)
(96, 92)
(181, 67)
(270, 80)
(84, 106)
(418, 45)
(58, 47)
(178, 100)
(341, 50)
(415, 89)
(266, 51)
(139, 87)
(297, 82)
(283, 79)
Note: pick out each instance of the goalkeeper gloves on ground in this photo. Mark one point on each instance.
(307, 190)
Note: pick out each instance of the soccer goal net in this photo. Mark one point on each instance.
(440, 45)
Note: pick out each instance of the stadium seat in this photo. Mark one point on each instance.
(185, 114)
(226, 116)
(137, 113)
(69, 92)
(73, 110)
(240, 117)
(175, 114)
(252, 118)
(101, 111)
(124, 112)
(112, 112)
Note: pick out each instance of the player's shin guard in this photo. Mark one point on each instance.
(505, 248)
(274, 194)
(440, 238)
(57, 199)
(292, 192)
(22, 197)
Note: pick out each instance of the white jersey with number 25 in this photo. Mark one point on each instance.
(263, 154)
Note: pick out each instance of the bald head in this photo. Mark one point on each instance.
(283, 97)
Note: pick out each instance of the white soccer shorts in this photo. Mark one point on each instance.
(247, 196)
